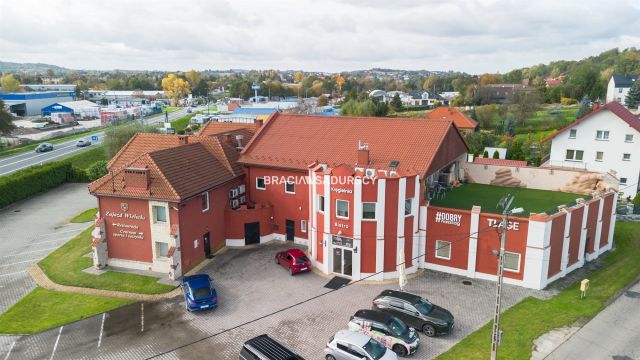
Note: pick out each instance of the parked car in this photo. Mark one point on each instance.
(265, 348)
(390, 331)
(295, 260)
(44, 147)
(188, 110)
(415, 311)
(199, 293)
(349, 345)
(83, 142)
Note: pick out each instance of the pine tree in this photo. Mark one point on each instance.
(633, 97)
(496, 155)
(511, 127)
(585, 107)
(396, 102)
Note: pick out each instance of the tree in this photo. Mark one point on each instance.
(323, 101)
(485, 154)
(340, 82)
(5, 120)
(585, 107)
(396, 102)
(527, 103)
(175, 88)
(194, 78)
(633, 97)
(117, 136)
(9, 83)
(97, 170)
(511, 127)
(496, 155)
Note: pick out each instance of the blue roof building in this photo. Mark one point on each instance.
(31, 103)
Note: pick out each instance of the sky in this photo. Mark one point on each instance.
(460, 35)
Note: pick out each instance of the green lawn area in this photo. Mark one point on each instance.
(64, 266)
(30, 147)
(548, 119)
(85, 216)
(170, 109)
(44, 309)
(487, 196)
(85, 158)
(182, 122)
(531, 318)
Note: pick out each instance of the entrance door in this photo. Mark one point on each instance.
(207, 245)
(343, 261)
(252, 233)
(291, 229)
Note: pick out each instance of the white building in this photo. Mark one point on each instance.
(619, 86)
(607, 138)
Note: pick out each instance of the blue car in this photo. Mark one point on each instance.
(199, 293)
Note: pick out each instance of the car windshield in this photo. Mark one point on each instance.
(423, 306)
(201, 293)
(301, 259)
(397, 327)
(375, 349)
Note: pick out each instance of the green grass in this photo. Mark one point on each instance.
(44, 309)
(487, 196)
(64, 266)
(548, 119)
(531, 318)
(30, 147)
(182, 122)
(170, 109)
(85, 158)
(85, 216)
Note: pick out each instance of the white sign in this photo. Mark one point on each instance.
(343, 226)
(124, 215)
(448, 218)
(511, 225)
(342, 191)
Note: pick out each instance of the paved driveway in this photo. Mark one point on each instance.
(251, 286)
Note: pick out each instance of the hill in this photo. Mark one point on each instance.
(34, 68)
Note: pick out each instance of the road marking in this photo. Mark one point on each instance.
(37, 155)
(19, 262)
(13, 273)
(101, 329)
(62, 232)
(28, 252)
(55, 346)
(141, 317)
(10, 349)
(69, 153)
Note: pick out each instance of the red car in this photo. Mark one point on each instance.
(294, 259)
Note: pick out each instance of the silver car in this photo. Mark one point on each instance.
(349, 345)
(83, 142)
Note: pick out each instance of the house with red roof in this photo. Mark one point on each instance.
(464, 123)
(608, 138)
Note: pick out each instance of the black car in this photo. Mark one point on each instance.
(265, 348)
(415, 311)
(44, 147)
(387, 329)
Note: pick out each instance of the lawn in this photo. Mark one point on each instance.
(64, 266)
(44, 309)
(84, 159)
(548, 119)
(85, 216)
(531, 318)
(170, 109)
(487, 196)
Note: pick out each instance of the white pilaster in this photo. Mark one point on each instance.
(536, 263)
(402, 194)
(422, 235)
(473, 241)
(612, 222)
(326, 236)
(565, 243)
(314, 216)
(596, 243)
(583, 235)
(380, 216)
(357, 227)
(415, 244)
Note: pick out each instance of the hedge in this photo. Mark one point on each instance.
(28, 182)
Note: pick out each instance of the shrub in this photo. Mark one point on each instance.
(485, 154)
(97, 170)
(77, 174)
(496, 155)
(25, 183)
(568, 101)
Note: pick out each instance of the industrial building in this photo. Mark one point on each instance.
(31, 103)
(81, 110)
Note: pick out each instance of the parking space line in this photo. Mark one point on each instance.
(141, 317)
(55, 346)
(62, 232)
(20, 262)
(10, 349)
(28, 252)
(13, 273)
(101, 329)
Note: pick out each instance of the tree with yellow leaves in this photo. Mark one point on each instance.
(175, 88)
(9, 83)
(194, 78)
(340, 81)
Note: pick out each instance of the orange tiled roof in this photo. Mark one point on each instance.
(296, 141)
(219, 128)
(142, 143)
(461, 120)
(503, 162)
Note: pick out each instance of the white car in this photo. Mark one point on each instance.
(349, 345)
(83, 142)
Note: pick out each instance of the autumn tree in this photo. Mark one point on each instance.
(9, 83)
(5, 120)
(175, 88)
(339, 82)
(194, 78)
(323, 100)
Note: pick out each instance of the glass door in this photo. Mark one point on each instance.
(347, 268)
(337, 260)
(342, 261)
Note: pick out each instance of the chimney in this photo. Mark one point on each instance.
(363, 153)
(239, 142)
(183, 139)
(227, 138)
(596, 105)
(137, 178)
(259, 123)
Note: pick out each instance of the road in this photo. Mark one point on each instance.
(613, 334)
(24, 160)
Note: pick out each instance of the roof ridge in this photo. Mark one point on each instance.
(164, 178)
(122, 150)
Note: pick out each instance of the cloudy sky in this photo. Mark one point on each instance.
(464, 35)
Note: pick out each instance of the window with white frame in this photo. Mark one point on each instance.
(205, 202)
(290, 187)
(342, 209)
(623, 181)
(599, 155)
(602, 135)
(572, 133)
(443, 249)
(320, 203)
(511, 261)
(408, 205)
(369, 211)
(626, 157)
(162, 249)
(628, 138)
(159, 214)
(303, 226)
(260, 184)
(574, 155)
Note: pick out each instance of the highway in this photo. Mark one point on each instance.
(61, 150)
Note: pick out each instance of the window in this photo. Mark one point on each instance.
(572, 133)
(205, 202)
(159, 214)
(512, 261)
(162, 249)
(443, 249)
(195, 243)
(619, 90)
(599, 155)
(574, 155)
(342, 209)
(626, 157)
(320, 203)
(303, 226)
(623, 181)
(369, 211)
(290, 187)
(408, 205)
(260, 184)
(602, 135)
(628, 138)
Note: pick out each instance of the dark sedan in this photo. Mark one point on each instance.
(415, 311)
(44, 147)
(199, 293)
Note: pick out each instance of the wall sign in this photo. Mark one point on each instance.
(511, 225)
(340, 225)
(448, 218)
(341, 190)
(124, 215)
(342, 241)
(127, 231)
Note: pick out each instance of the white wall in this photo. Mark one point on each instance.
(616, 94)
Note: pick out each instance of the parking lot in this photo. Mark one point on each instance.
(251, 286)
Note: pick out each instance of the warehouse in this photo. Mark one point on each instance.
(81, 110)
(31, 104)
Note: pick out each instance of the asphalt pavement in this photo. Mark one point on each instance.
(26, 159)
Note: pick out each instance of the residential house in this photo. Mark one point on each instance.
(464, 123)
(619, 86)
